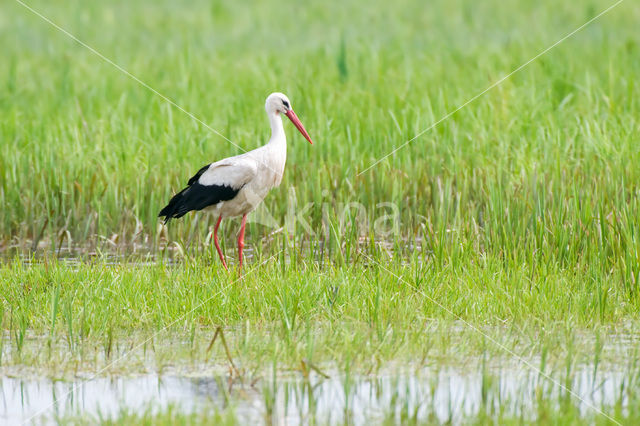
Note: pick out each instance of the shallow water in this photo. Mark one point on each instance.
(447, 394)
(74, 259)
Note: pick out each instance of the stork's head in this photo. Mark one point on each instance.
(279, 103)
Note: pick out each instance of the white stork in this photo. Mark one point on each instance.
(236, 185)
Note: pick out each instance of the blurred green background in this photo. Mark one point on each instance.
(552, 150)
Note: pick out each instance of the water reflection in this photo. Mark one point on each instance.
(445, 395)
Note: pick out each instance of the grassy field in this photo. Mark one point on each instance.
(504, 239)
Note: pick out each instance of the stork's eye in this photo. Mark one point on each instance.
(286, 104)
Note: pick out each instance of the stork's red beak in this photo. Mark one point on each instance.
(296, 122)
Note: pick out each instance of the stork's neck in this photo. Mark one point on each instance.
(277, 129)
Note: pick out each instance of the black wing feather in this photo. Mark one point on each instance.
(196, 197)
(197, 175)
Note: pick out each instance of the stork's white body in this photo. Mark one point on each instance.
(254, 173)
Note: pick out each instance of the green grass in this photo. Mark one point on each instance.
(518, 214)
(105, 319)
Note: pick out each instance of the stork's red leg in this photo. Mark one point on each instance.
(215, 241)
(241, 239)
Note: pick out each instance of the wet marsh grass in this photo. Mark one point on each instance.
(306, 311)
(519, 213)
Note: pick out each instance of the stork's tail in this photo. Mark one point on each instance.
(175, 208)
(196, 197)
